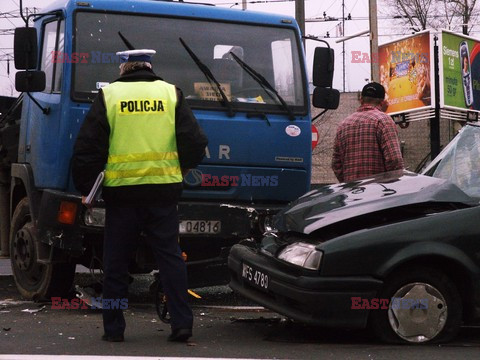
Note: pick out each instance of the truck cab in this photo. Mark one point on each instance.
(244, 76)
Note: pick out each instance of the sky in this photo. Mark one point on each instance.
(356, 74)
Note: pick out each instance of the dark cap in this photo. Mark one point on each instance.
(374, 90)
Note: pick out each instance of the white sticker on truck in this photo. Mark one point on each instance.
(293, 130)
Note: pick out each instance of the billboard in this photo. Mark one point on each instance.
(459, 72)
(406, 68)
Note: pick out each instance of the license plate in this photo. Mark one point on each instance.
(255, 277)
(200, 227)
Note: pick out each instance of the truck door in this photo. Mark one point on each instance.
(40, 132)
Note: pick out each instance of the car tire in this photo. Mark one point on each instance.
(35, 281)
(424, 307)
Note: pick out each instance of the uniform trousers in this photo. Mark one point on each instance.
(123, 226)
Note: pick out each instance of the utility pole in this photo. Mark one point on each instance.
(244, 4)
(300, 15)
(372, 4)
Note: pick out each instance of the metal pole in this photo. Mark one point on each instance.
(345, 38)
(300, 15)
(374, 40)
(435, 121)
(244, 4)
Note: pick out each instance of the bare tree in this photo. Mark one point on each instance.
(465, 10)
(450, 10)
(417, 14)
(423, 14)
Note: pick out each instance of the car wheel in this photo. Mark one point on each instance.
(424, 306)
(34, 281)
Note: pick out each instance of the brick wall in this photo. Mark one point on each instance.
(415, 138)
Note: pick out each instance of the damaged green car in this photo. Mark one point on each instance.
(398, 253)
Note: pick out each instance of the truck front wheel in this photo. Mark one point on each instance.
(34, 281)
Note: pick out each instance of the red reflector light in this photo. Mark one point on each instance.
(67, 213)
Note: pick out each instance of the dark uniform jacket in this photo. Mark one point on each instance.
(90, 152)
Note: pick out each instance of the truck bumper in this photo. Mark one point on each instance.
(207, 253)
(60, 226)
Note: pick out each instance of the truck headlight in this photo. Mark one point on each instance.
(95, 217)
(301, 254)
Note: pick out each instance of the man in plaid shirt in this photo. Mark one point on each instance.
(367, 141)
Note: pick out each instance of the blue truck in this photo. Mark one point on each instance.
(244, 76)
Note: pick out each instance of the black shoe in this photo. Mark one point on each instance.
(113, 338)
(180, 335)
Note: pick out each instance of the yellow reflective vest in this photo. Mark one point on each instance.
(142, 145)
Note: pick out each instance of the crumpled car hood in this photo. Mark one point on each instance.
(333, 203)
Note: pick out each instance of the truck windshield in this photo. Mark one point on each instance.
(271, 51)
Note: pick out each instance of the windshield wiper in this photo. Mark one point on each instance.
(264, 83)
(208, 74)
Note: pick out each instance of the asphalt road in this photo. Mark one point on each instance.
(226, 326)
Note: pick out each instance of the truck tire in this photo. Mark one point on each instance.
(435, 317)
(35, 281)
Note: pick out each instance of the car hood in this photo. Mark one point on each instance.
(334, 203)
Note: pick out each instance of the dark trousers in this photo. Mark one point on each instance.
(123, 226)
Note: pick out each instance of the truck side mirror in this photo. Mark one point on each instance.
(30, 81)
(324, 98)
(323, 64)
(25, 48)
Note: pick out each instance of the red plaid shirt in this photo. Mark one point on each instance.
(366, 144)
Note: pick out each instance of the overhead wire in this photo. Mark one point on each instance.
(328, 8)
(365, 18)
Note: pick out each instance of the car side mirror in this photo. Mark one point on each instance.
(25, 48)
(30, 81)
(324, 98)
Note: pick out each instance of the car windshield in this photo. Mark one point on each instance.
(271, 51)
(459, 162)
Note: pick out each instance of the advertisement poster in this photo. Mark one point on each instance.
(406, 73)
(460, 74)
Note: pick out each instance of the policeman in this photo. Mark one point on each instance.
(141, 131)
